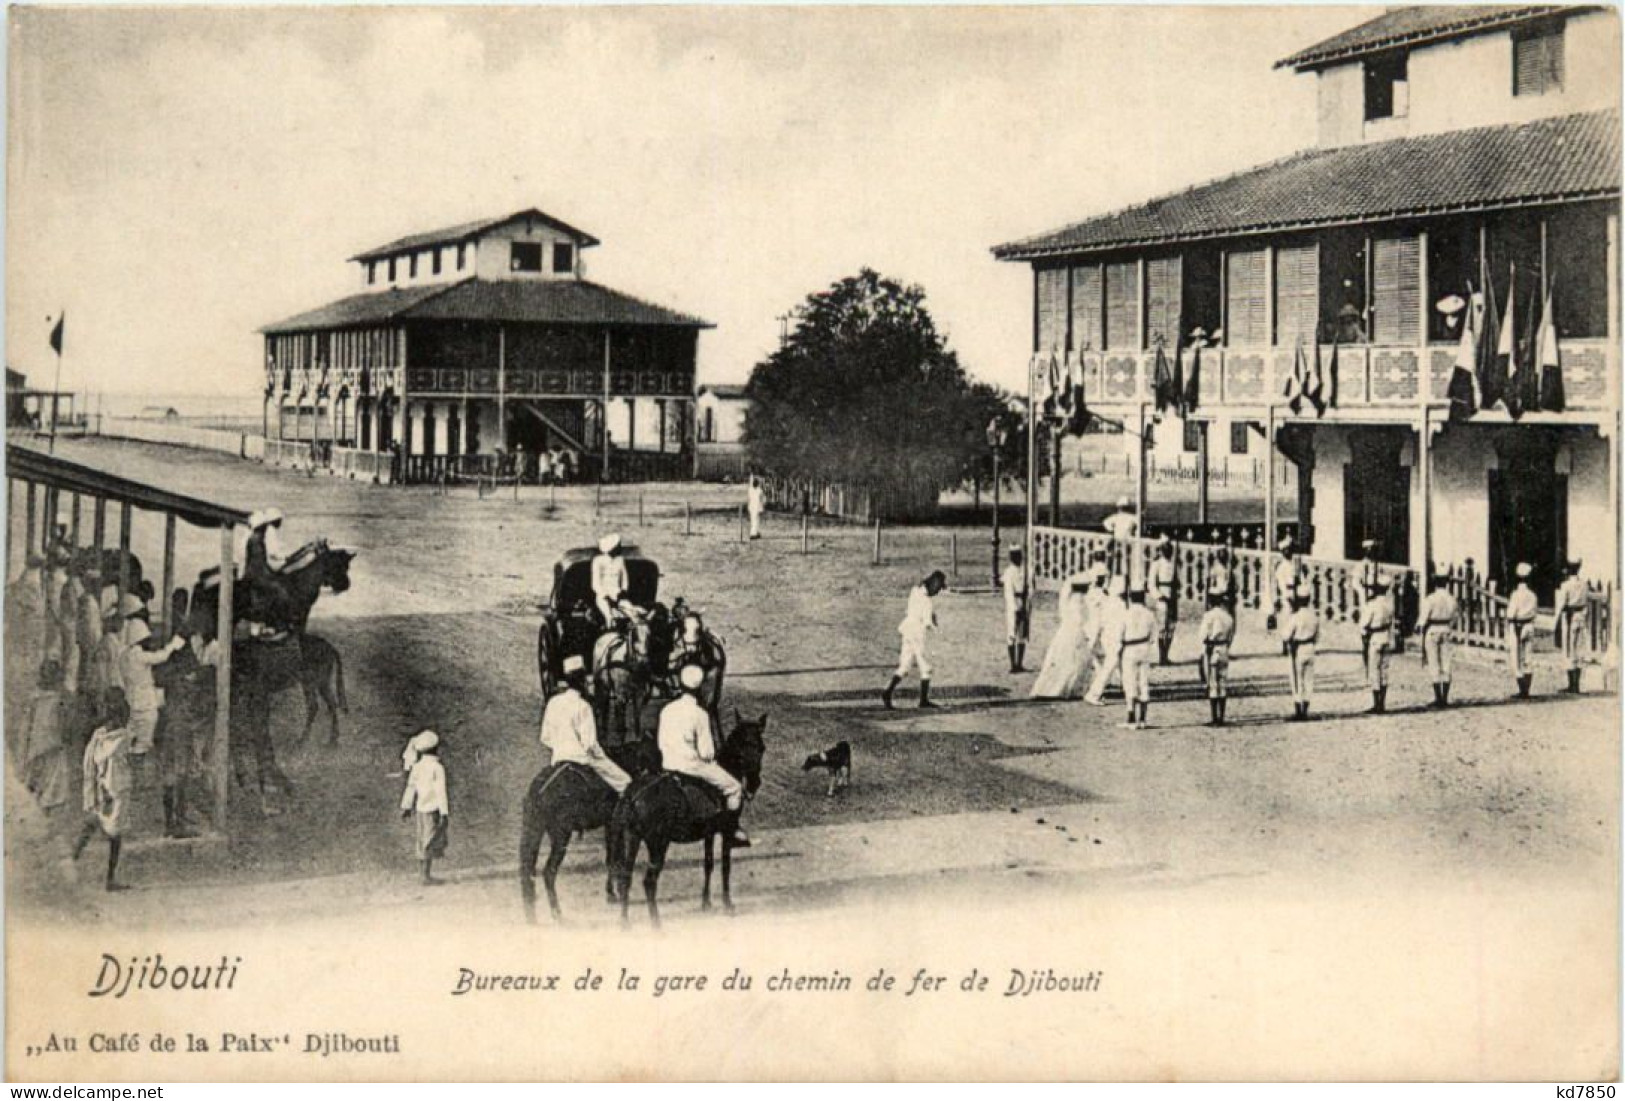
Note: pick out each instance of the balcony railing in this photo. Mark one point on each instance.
(1367, 377)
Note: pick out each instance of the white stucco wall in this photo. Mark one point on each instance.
(1593, 532)
(728, 414)
(492, 258)
(1468, 82)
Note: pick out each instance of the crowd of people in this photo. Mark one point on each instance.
(97, 706)
(1109, 621)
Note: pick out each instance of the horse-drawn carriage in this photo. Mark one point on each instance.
(651, 645)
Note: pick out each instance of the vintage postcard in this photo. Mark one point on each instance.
(820, 543)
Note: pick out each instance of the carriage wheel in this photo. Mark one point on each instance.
(546, 666)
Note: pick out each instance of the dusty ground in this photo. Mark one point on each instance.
(439, 631)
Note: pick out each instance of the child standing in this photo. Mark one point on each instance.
(426, 795)
(108, 782)
(1218, 632)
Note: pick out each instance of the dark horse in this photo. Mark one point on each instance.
(264, 668)
(283, 599)
(657, 811)
(570, 798)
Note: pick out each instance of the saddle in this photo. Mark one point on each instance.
(703, 800)
(581, 772)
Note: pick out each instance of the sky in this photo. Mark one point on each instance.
(178, 178)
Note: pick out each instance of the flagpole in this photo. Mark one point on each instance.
(56, 385)
(1032, 472)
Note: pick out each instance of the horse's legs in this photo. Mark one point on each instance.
(332, 713)
(705, 891)
(651, 878)
(727, 872)
(550, 871)
(530, 846)
(609, 865)
(625, 860)
(312, 709)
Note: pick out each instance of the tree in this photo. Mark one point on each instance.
(866, 391)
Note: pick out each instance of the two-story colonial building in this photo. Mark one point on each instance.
(485, 338)
(1453, 141)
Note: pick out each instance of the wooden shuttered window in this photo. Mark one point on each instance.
(1396, 293)
(1088, 308)
(1052, 309)
(1297, 293)
(1537, 60)
(1123, 306)
(1244, 308)
(1164, 300)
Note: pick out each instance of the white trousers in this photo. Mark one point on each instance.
(913, 653)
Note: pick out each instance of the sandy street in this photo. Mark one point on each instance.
(993, 792)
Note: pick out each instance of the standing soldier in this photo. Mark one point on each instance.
(1299, 634)
(1016, 614)
(1376, 641)
(754, 505)
(1218, 632)
(1438, 621)
(1370, 570)
(1286, 579)
(920, 619)
(1110, 619)
(1571, 622)
(1165, 592)
(1521, 607)
(1139, 623)
(1221, 580)
(1122, 524)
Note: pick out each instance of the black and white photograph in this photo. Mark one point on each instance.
(812, 543)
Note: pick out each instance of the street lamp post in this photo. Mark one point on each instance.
(996, 436)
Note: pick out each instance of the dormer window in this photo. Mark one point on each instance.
(392, 269)
(1537, 60)
(412, 266)
(1387, 86)
(564, 258)
(436, 266)
(462, 250)
(372, 272)
(526, 256)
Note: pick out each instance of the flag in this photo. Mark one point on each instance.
(1193, 378)
(1491, 366)
(1331, 373)
(1162, 382)
(56, 333)
(1506, 351)
(1523, 376)
(1315, 388)
(1550, 361)
(1296, 380)
(1177, 387)
(1080, 408)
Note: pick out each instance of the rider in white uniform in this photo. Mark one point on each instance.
(687, 746)
(570, 731)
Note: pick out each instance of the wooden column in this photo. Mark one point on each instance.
(165, 594)
(1055, 478)
(1201, 471)
(1027, 563)
(99, 533)
(1269, 507)
(125, 517)
(11, 511)
(1422, 305)
(28, 530)
(73, 529)
(1140, 474)
(1424, 459)
(502, 387)
(603, 426)
(222, 681)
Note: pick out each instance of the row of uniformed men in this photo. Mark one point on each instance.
(1123, 630)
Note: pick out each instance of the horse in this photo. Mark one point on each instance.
(621, 679)
(281, 600)
(657, 811)
(570, 798)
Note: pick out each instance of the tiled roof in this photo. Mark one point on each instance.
(559, 301)
(469, 231)
(1559, 159)
(1410, 26)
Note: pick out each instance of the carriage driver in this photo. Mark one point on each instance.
(609, 580)
(688, 746)
(571, 733)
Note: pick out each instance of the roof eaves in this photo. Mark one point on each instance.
(470, 231)
(1315, 57)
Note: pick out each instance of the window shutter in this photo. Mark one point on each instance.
(1088, 329)
(1244, 294)
(1163, 300)
(1052, 309)
(1396, 298)
(1297, 293)
(1122, 306)
(1537, 61)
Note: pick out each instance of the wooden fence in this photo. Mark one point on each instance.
(840, 500)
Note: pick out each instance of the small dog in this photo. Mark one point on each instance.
(837, 761)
